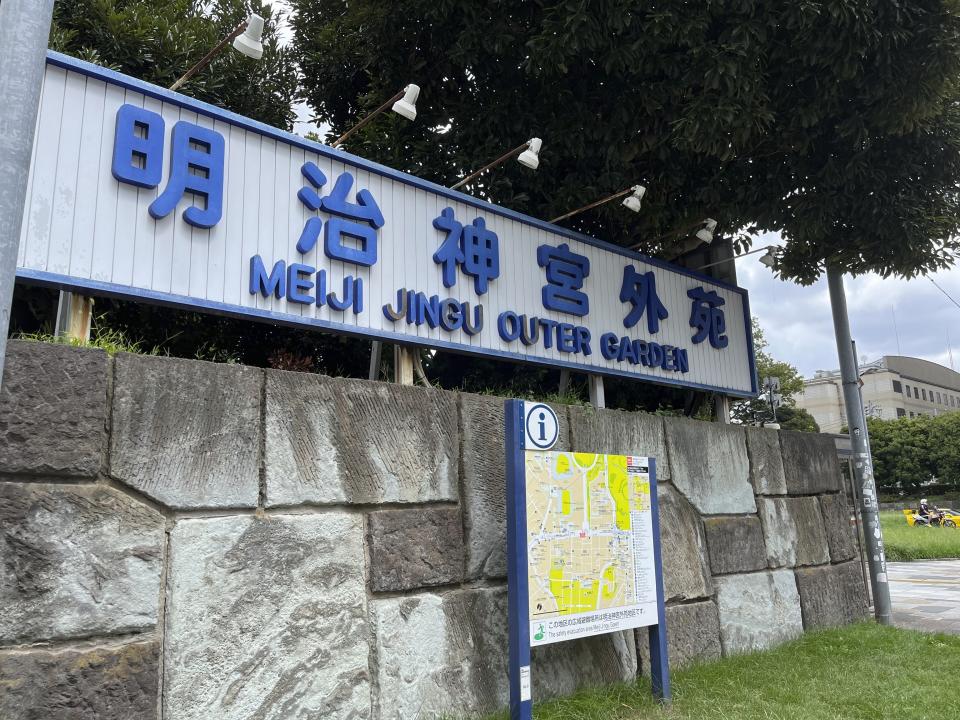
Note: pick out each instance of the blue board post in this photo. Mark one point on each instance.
(521, 703)
(659, 662)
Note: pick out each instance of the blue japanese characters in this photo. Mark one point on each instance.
(359, 221)
(707, 317)
(196, 163)
(565, 272)
(347, 219)
(640, 290)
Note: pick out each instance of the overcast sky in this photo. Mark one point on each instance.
(887, 316)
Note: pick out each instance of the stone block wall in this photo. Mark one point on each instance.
(183, 540)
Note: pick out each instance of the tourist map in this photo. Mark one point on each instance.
(589, 545)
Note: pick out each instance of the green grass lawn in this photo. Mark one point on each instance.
(863, 671)
(904, 542)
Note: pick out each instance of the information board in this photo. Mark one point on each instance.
(583, 547)
(590, 561)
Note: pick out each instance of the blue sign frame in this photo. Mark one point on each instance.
(521, 701)
(116, 79)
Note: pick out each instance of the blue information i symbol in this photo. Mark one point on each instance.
(542, 426)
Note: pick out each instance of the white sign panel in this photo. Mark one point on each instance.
(138, 192)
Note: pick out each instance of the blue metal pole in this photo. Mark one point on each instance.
(659, 661)
(521, 703)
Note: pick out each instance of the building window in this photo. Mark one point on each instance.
(916, 393)
(924, 393)
(952, 401)
(906, 389)
(938, 399)
(901, 412)
(896, 387)
(911, 413)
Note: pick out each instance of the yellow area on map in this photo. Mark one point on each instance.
(580, 530)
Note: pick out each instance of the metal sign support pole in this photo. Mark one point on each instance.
(657, 634)
(521, 702)
(859, 439)
(24, 29)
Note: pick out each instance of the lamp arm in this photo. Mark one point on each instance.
(735, 257)
(205, 60)
(503, 158)
(367, 119)
(592, 205)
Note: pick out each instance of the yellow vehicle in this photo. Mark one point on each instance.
(948, 518)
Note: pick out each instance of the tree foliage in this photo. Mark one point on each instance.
(834, 122)
(158, 40)
(791, 417)
(910, 452)
(791, 383)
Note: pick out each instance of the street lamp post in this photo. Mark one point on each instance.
(24, 29)
(860, 442)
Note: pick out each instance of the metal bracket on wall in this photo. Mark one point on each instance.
(376, 347)
(74, 316)
(597, 399)
(721, 409)
(402, 365)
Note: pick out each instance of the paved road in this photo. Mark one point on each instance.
(926, 595)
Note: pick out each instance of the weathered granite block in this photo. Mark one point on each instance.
(112, 683)
(334, 441)
(620, 433)
(693, 635)
(708, 464)
(683, 548)
(831, 595)
(735, 544)
(266, 618)
(414, 548)
(483, 487)
(836, 521)
(53, 410)
(793, 531)
(77, 560)
(810, 463)
(757, 610)
(185, 432)
(766, 462)
(446, 655)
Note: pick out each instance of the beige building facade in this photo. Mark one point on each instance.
(894, 386)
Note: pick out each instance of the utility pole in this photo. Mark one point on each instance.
(24, 29)
(860, 442)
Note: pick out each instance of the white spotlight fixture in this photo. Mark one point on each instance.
(407, 105)
(706, 233)
(769, 258)
(246, 38)
(249, 42)
(531, 156)
(403, 104)
(632, 201)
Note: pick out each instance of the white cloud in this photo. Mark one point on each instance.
(888, 316)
